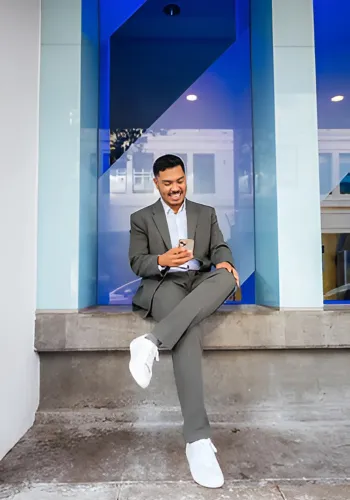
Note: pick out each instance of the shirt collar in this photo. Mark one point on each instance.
(168, 210)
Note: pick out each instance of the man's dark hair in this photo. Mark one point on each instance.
(165, 162)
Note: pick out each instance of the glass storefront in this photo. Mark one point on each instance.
(332, 46)
(181, 85)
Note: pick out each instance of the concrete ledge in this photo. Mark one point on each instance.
(231, 328)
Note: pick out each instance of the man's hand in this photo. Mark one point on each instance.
(175, 257)
(230, 269)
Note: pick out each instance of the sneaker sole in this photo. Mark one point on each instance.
(219, 485)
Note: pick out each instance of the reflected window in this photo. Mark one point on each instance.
(245, 183)
(325, 164)
(183, 157)
(344, 167)
(142, 172)
(118, 177)
(345, 185)
(118, 181)
(203, 173)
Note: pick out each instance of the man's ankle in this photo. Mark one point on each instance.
(153, 339)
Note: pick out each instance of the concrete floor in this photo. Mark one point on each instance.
(88, 456)
(178, 491)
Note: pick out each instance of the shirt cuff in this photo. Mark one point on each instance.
(161, 268)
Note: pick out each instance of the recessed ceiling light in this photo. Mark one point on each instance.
(191, 97)
(337, 98)
(172, 10)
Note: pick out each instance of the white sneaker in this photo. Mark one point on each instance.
(143, 353)
(204, 467)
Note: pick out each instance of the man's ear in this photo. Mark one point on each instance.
(155, 180)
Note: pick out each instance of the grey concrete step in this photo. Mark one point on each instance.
(231, 328)
(291, 383)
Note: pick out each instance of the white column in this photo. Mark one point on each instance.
(288, 222)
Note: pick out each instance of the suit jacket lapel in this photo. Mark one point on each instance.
(161, 223)
(192, 219)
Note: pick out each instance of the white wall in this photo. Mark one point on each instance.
(19, 83)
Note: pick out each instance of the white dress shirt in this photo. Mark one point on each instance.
(177, 225)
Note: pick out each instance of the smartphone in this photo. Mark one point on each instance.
(187, 243)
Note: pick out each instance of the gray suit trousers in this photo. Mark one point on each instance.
(179, 305)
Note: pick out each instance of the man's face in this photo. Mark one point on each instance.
(172, 186)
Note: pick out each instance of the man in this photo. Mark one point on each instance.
(179, 290)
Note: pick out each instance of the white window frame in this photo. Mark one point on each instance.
(146, 177)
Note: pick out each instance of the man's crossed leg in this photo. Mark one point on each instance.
(181, 302)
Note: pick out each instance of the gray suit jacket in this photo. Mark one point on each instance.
(149, 238)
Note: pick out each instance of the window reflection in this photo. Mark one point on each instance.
(118, 177)
(158, 119)
(325, 165)
(344, 162)
(142, 170)
(203, 173)
(345, 185)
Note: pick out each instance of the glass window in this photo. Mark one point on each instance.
(145, 113)
(204, 173)
(336, 266)
(332, 44)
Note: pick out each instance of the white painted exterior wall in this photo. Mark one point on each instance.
(19, 88)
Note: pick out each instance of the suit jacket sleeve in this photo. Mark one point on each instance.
(142, 262)
(219, 250)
